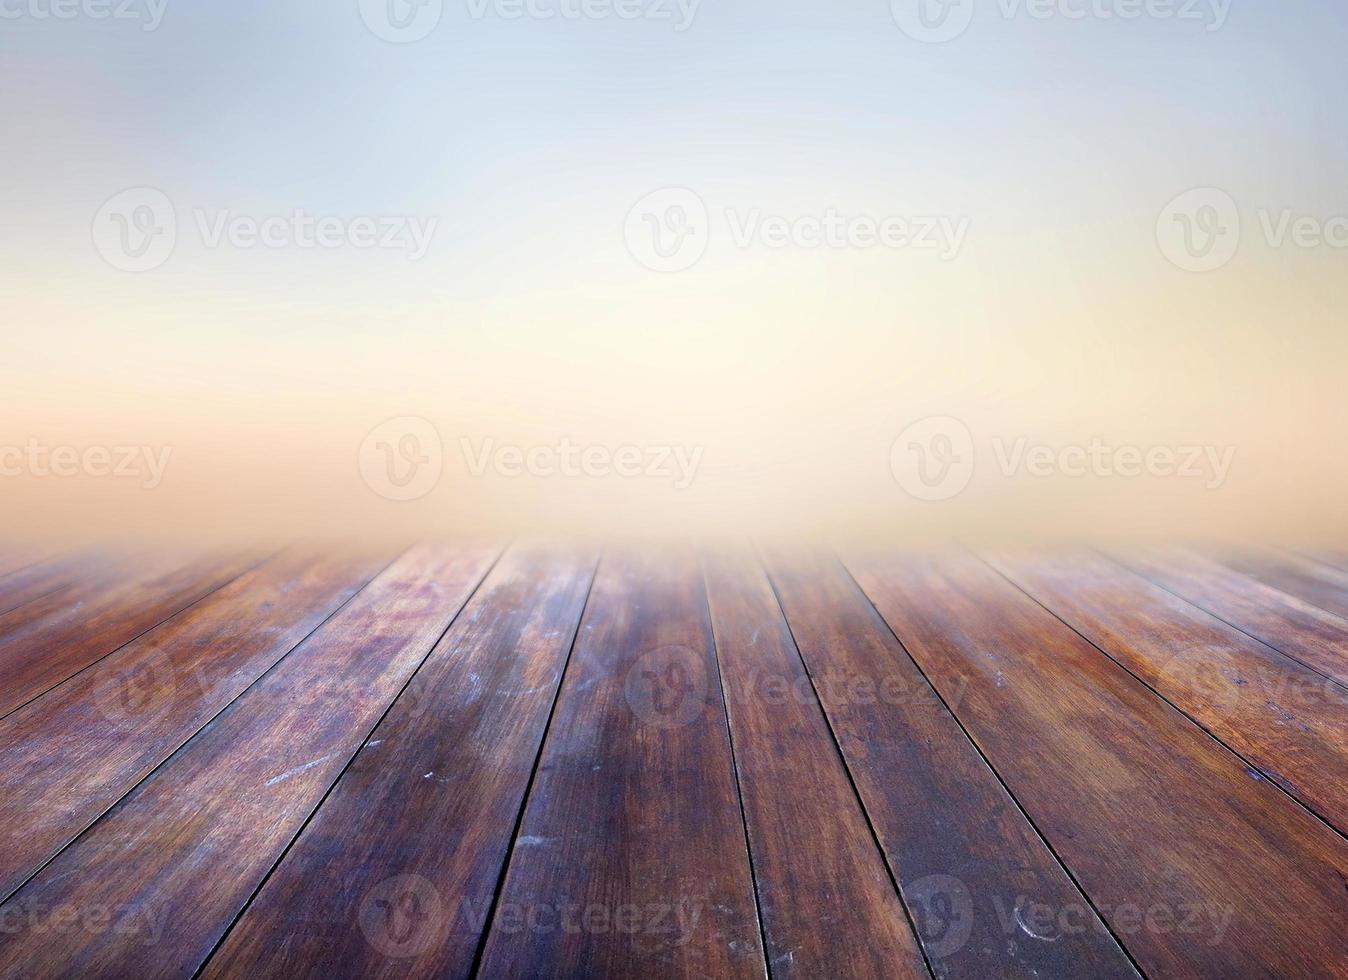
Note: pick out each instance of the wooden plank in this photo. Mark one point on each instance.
(180, 855)
(68, 756)
(828, 903)
(631, 859)
(1203, 868)
(1301, 631)
(396, 872)
(1333, 557)
(30, 581)
(1284, 718)
(970, 866)
(53, 638)
(18, 557)
(1315, 582)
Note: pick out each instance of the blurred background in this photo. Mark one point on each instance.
(876, 270)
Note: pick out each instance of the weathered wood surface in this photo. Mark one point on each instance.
(396, 873)
(102, 603)
(807, 831)
(68, 756)
(968, 862)
(1201, 866)
(1284, 718)
(631, 858)
(1306, 633)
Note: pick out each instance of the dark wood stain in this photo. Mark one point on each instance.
(107, 604)
(798, 800)
(395, 875)
(71, 754)
(1148, 811)
(1298, 629)
(1283, 717)
(631, 859)
(969, 864)
(179, 856)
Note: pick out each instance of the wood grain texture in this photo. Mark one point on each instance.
(71, 754)
(108, 603)
(1315, 582)
(28, 581)
(631, 859)
(1298, 629)
(1333, 557)
(178, 857)
(1203, 868)
(396, 873)
(828, 904)
(1285, 718)
(968, 862)
(62, 587)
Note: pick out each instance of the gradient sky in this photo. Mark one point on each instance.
(528, 140)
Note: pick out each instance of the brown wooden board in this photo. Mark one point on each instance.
(175, 861)
(1284, 718)
(52, 638)
(28, 581)
(1317, 583)
(828, 903)
(395, 874)
(970, 866)
(1201, 866)
(1333, 557)
(631, 858)
(1298, 629)
(68, 756)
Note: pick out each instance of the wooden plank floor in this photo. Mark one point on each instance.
(540, 760)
